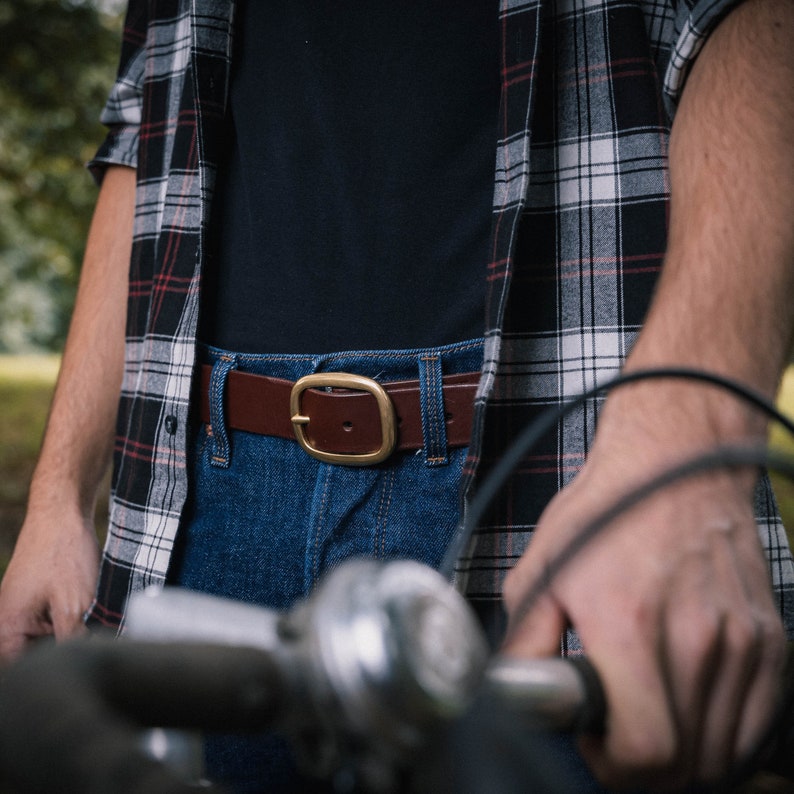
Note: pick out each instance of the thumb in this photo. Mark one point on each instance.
(17, 633)
(12, 645)
(534, 632)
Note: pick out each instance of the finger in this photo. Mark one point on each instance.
(17, 635)
(745, 691)
(640, 744)
(12, 646)
(732, 676)
(764, 688)
(537, 632)
(536, 620)
(744, 674)
(713, 654)
(66, 616)
(763, 692)
(691, 654)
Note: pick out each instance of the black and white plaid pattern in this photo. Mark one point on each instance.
(579, 232)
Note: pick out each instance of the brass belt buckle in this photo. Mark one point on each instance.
(344, 380)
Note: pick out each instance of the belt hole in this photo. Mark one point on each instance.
(348, 426)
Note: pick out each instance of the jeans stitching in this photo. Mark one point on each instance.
(319, 525)
(450, 349)
(383, 512)
(405, 354)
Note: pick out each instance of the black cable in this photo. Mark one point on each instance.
(536, 430)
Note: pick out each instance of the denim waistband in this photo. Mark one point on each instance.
(382, 365)
(427, 365)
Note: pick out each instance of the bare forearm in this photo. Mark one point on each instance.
(726, 296)
(78, 440)
(52, 574)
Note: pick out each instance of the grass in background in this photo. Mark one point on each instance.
(26, 384)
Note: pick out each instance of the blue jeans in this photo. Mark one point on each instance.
(265, 520)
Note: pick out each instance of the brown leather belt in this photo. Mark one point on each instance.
(342, 425)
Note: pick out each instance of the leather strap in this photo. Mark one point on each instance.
(342, 421)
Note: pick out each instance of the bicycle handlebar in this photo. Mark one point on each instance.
(362, 675)
(560, 694)
(383, 672)
(373, 662)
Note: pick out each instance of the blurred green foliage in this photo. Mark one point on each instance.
(22, 420)
(57, 62)
(26, 385)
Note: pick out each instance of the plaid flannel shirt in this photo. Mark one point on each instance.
(579, 225)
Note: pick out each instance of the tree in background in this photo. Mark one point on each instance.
(57, 61)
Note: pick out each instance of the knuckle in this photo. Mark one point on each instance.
(755, 635)
(770, 628)
(701, 633)
(641, 612)
(743, 635)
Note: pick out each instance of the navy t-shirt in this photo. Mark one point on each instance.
(354, 209)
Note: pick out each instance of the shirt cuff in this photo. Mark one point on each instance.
(695, 20)
(120, 147)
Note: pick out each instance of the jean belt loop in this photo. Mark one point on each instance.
(434, 425)
(221, 449)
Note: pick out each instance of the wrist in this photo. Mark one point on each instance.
(698, 407)
(652, 425)
(691, 413)
(68, 481)
(60, 500)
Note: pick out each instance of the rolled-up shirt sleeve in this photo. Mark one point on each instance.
(122, 111)
(694, 22)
